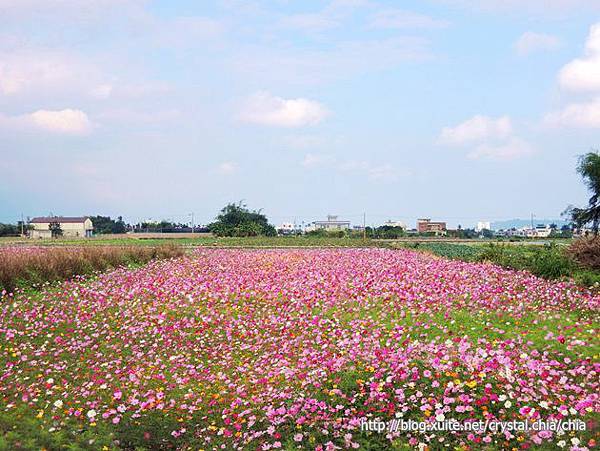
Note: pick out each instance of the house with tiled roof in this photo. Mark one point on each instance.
(71, 227)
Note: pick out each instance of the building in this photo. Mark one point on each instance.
(542, 231)
(70, 226)
(426, 225)
(399, 224)
(483, 225)
(287, 228)
(331, 225)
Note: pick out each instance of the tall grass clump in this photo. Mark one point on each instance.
(22, 266)
(586, 252)
(548, 261)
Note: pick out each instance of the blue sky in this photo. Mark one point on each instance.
(460, 110)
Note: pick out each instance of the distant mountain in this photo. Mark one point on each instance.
(518, 223)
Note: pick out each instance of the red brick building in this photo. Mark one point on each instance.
(426, 225)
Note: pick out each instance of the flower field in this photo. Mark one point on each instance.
(295, 349)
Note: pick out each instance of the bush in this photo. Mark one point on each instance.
(548, 261)
(586, 252)
(235, 220)
(33, 265)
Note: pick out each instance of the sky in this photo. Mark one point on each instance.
(458, 110)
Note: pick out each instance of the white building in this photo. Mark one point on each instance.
(483, 225)
(70, 226)
(542, 231)
(331, 225)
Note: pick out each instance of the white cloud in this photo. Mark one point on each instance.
(67, 122)
(527, 6)
(488, 137)
(227, 168)
(513, 148)
(266, 109)
(66, 9)
(530, 42)
(585, 115)
(26, 70)
(478, 128)
(583, 74)
(400, 19)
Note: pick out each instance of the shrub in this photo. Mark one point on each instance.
(586, 252)
(548, 261)
(33, 265)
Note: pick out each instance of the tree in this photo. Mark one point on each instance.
(55, 229)
(10, 229)
(105, 224)
(589, 169)
(238, 220)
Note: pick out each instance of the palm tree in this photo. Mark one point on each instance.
(589, 169)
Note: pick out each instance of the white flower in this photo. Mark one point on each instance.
(502, 398)
(58, 404)
(575, 441)
(544, 404)
(50, 381)
(561, 444)
(507, 404)
(572, 411)
(91, 413)
(440, 417)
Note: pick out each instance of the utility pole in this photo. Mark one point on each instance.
(192, 215)
(22, 224)
(364, 227)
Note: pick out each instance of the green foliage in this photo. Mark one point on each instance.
(11, 229)
(55, 229)
(322, 233)
(452, 251)
(20, 430)
(388, 232)
(236, 220)
(105, 224)
(589, 169)
(549, 261)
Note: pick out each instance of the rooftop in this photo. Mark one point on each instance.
(61, 219)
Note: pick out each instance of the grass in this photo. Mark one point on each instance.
(550, 261)
(27, 266)
(208, 241)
